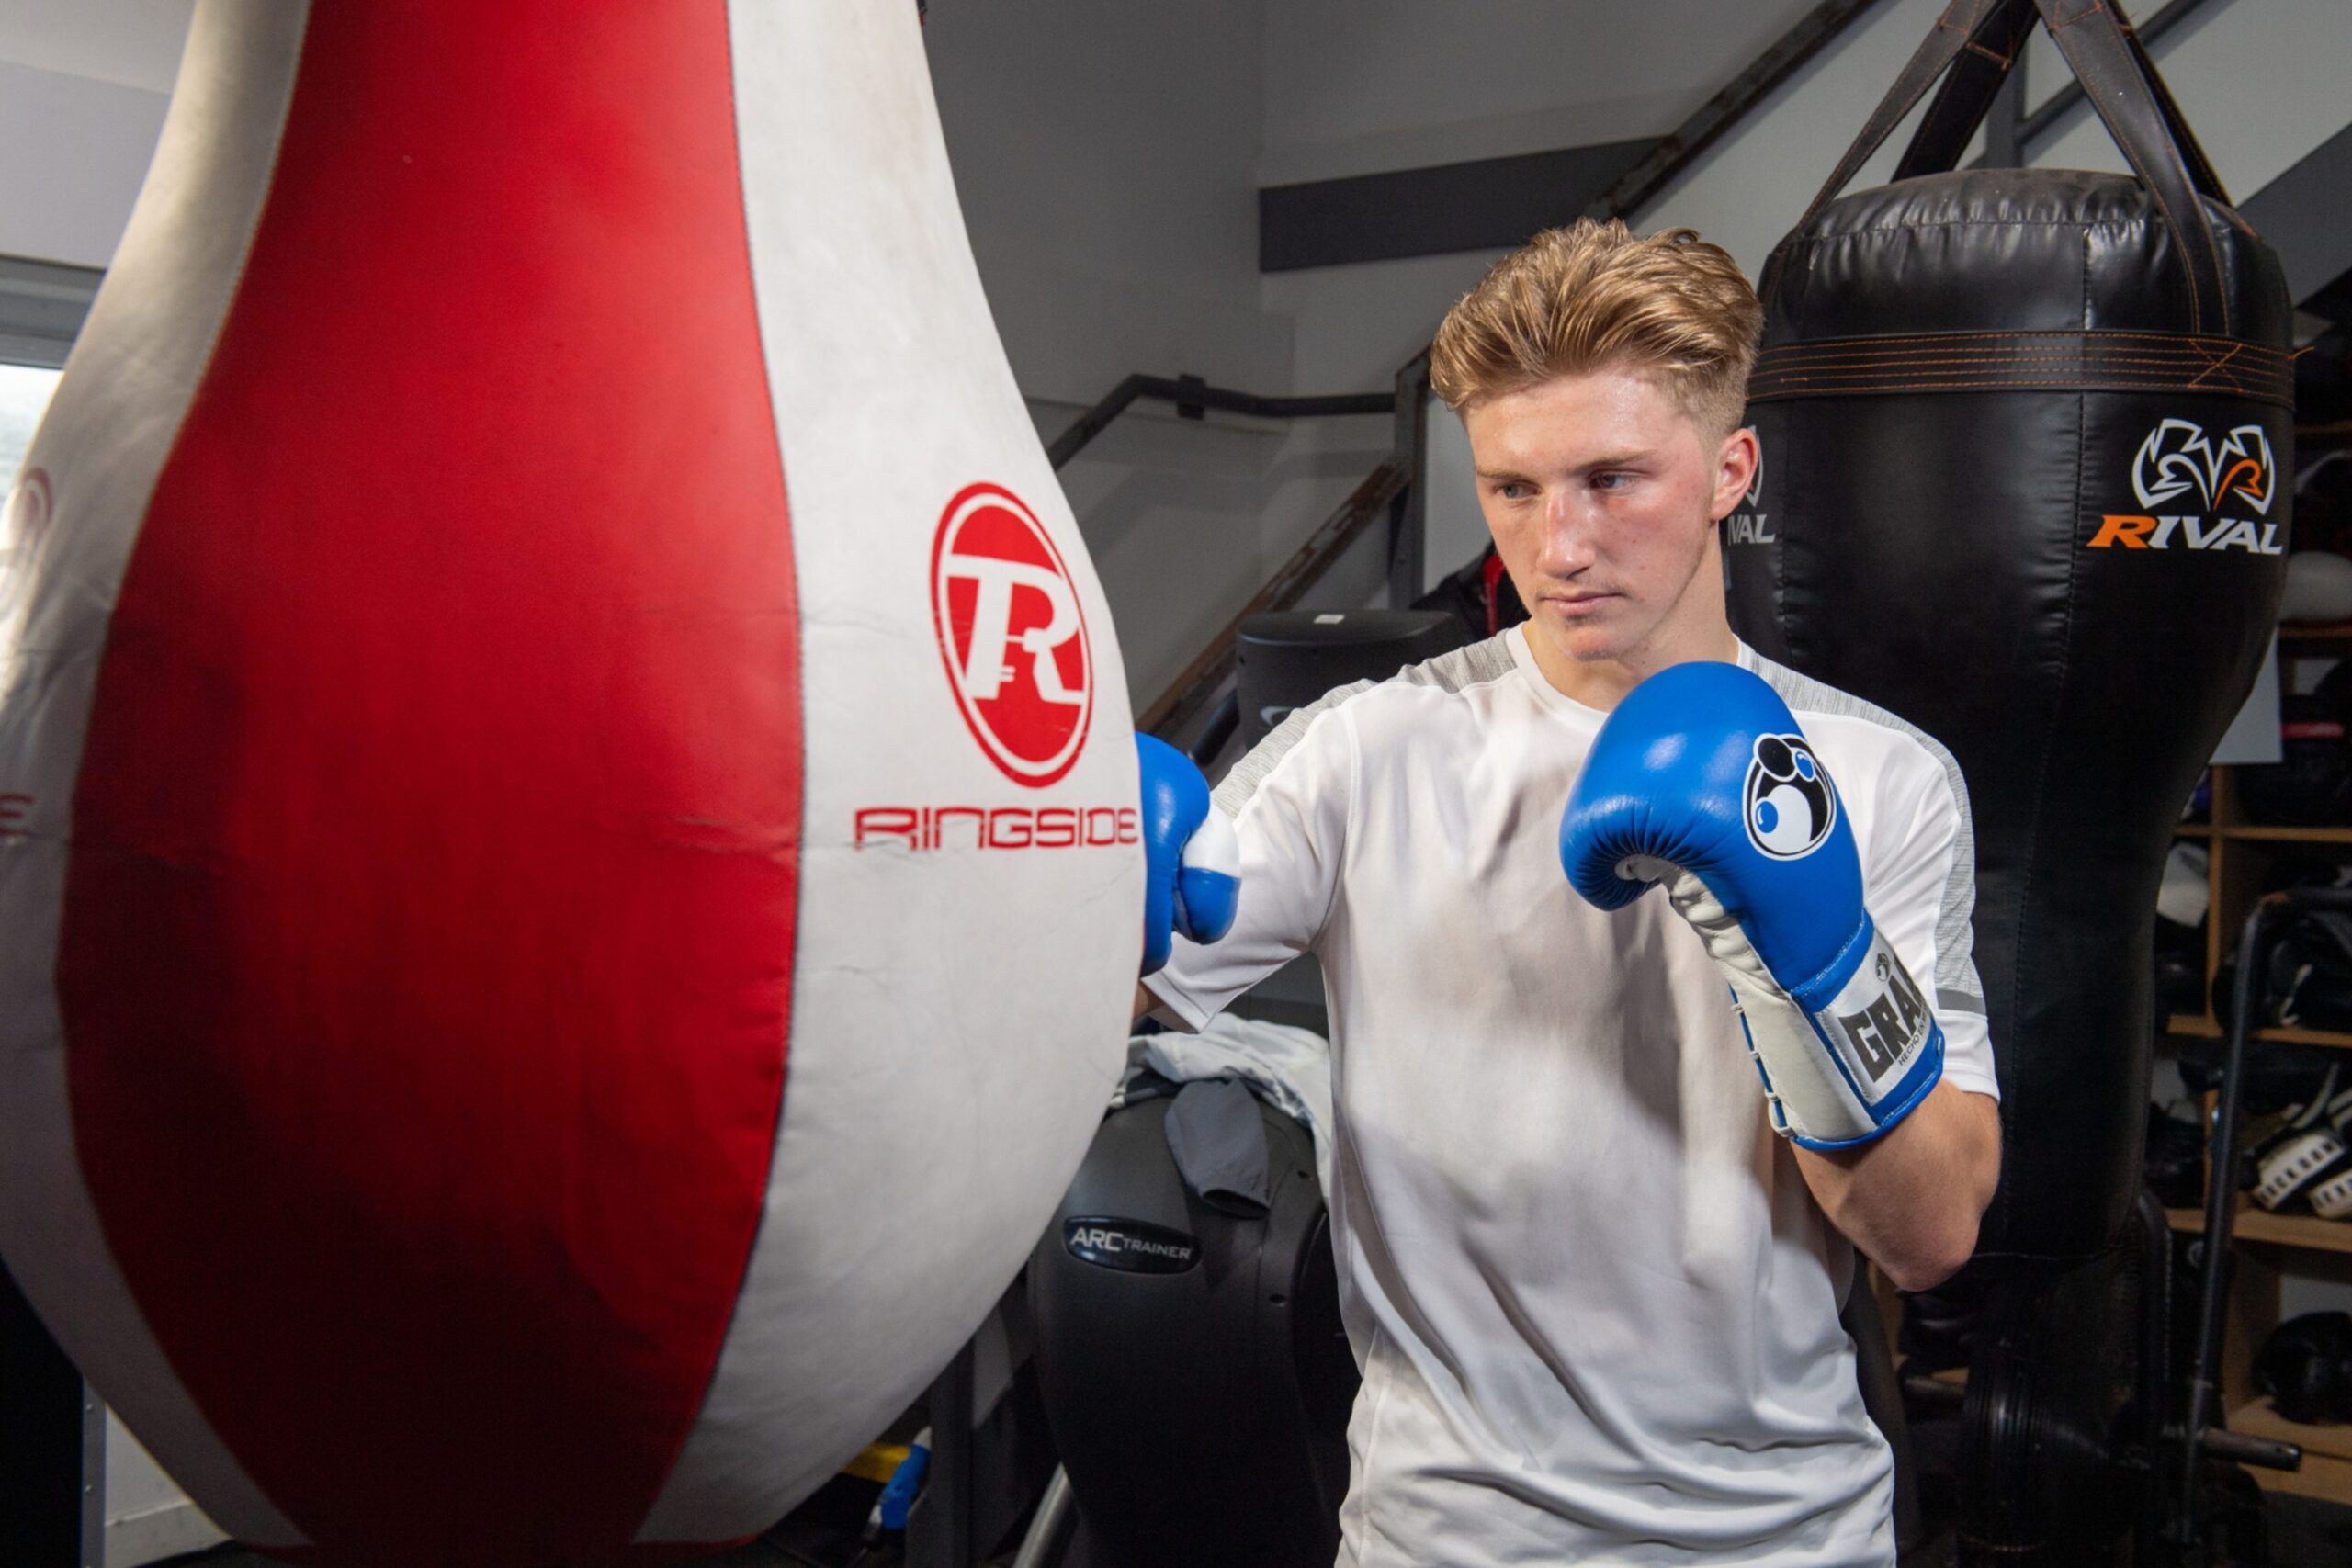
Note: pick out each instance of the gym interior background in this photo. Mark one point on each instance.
(1282, 197)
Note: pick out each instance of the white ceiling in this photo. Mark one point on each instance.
(133, 43)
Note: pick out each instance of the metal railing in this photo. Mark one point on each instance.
(1193, 398)
(1393, 489)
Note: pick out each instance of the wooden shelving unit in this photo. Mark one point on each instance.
(2289, 835)
(2206, 1028)
(2282, 1230)
(2327, 1452)
(2239, 852)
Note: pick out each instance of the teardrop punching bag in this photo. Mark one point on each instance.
(2023, 434)
(570, 876)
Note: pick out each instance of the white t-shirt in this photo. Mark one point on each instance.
(1595, 1305)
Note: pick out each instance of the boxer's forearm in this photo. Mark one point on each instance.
(1145, 1002)
(1911, 1200)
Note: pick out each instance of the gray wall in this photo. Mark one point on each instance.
(1366, 86)
(1106, 156)
(2263, 81)
(73, 151)
(83, 87)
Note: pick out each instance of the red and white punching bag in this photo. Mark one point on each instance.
(568, 873)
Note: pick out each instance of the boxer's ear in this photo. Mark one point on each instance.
(1739, 473)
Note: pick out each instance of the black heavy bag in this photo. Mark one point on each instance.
(2023, 434)
(2023, 431)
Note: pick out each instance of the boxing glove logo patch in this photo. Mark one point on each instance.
(1879, 1021)
(1788, 803)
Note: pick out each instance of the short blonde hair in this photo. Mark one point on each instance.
(1590, 296)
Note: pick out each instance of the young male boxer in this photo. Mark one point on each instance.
(1594, 1218)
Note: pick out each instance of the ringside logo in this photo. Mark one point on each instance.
(2180, 463)
(1012, 633)
(996, 826)
(24, 530)
(1788, 799)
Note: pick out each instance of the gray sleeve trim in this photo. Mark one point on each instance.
(1957, 986)
(1464, 667)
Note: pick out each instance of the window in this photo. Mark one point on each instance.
(24, 394)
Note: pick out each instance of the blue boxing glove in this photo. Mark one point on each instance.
(1192, 877)
(1700, 780)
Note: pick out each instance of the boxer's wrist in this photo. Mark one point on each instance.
(1702, 780)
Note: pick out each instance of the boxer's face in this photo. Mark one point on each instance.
(1603, 493)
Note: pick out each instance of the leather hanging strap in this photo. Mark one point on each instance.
(1960, 22)
(1983, 63)
(2121, 83)
(1974, 46)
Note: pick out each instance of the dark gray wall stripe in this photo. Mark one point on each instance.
(1486, 205)
(2304, 216)
(41, 306)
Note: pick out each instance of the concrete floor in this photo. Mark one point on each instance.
(759, 1554)
(2303, 1534)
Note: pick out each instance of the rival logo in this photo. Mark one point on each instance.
(24, 530)
(1129, 1246)
(1788, 800)
(1751, 526)
(1893, 1024)
(2178, 460)
(1013, 635)
(2178, 457)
